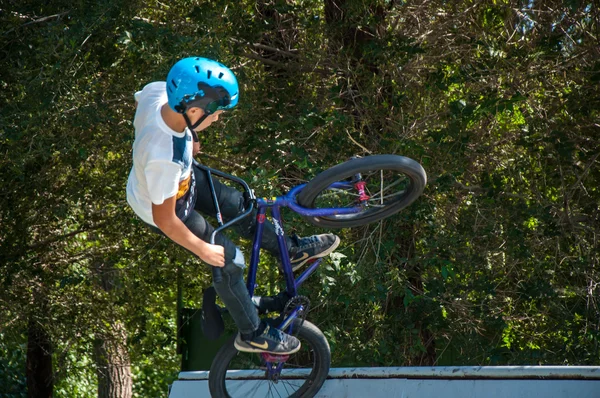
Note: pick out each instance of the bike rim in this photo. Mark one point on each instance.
(253, 381)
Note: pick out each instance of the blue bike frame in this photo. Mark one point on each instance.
(275, 205)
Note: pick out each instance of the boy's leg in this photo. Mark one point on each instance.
(231, 204)
(254, 336)
(232, 288)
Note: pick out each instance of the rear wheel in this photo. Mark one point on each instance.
(302, 373)
(390, 184)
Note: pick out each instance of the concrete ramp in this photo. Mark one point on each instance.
(429, 382)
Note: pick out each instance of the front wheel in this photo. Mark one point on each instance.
(389, 183)
(241, 374)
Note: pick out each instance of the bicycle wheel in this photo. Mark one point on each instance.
(391, 183)
(302, 375)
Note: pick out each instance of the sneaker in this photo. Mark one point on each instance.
(271, 340)
(312, 247)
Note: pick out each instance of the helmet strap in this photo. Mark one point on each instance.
(192, 127)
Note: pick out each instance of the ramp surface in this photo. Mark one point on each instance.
(428, 382)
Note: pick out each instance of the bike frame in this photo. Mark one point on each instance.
(275, 205)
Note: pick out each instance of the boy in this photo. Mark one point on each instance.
(164, 190)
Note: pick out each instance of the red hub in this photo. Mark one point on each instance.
(360, 187)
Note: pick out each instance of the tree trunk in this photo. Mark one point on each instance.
(428, 356)
(414, 273)
(40, 380)
(348, 35)
(113, 364)
(112, 357)
(278, 41)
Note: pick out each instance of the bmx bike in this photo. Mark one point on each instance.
(356, 192)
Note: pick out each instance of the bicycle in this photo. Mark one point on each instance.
(356, 192)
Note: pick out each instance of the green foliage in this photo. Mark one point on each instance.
(496, 263)
(12, 361)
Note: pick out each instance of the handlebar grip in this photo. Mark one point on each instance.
(217, 275)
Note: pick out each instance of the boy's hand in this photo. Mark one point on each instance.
(213, 255)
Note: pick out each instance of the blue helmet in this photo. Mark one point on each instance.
(203, 83)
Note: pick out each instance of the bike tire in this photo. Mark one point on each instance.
(314, 346)
(387, 165)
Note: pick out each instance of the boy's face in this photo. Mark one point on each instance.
(196, 113)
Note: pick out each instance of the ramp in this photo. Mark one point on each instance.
(429, 382)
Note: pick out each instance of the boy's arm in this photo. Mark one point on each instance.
(165, 219)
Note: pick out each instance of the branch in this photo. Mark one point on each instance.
(265, 47)
(39, 20)
(277, 51)
(53, 239)
(470, 188)
(284, 66)
(354, 141)
(265, 60)
(221, 160)
(585, 171)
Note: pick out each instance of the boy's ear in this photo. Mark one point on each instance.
(195, 111)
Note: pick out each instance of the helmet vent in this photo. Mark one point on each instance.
(173, 82)
(220, 75)
(208, 73)
(197, 68)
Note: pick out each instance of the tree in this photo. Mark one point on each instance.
(495, 264)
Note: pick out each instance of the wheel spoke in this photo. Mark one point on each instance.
(379, 193)
(283, 383)
(382, 189)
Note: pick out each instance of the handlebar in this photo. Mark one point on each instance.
(249, 193)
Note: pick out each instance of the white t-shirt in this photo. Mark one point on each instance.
(162, 158)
